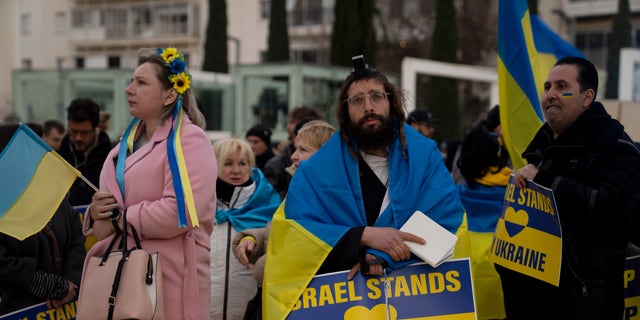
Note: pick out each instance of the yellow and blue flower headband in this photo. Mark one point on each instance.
(174, 60)
(181, 81)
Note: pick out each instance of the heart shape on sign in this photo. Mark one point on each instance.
(377, 312)
(515, 221)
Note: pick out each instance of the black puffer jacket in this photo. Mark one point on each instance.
(593, 169)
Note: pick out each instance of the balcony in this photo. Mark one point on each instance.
(113, 26)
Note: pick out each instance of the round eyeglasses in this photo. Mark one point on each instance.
(375, 97)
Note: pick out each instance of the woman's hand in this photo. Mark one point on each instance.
(243, 250)
(102, 205)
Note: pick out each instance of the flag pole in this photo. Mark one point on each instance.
(89, 183)
(78, 174)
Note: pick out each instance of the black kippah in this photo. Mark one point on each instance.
(360, 67)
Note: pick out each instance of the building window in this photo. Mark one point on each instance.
(265, 9)
(594, 44)
(113, 62)
(82, 18)
(142, 21)
(114, 22)
(25, 24)
(61, 22)
(307, 12)
(79, 62)
(173, 20)
(305, 56)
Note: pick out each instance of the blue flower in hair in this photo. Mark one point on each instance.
(177, 66)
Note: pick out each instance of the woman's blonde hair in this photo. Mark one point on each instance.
(225, 148)
(315, 133)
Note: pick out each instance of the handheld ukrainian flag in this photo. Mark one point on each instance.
(527, 50)
(36, 180)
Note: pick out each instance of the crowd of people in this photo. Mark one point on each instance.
(210, 209)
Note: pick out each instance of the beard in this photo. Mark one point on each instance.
(373, 137)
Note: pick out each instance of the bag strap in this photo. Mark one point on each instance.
(116, 284)
(134, 233)
(109, 247)
(125, 255)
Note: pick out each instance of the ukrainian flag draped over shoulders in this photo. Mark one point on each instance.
(527, 50)
(325, 200)
(35, 181)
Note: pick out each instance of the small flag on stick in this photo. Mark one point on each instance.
(35, 181)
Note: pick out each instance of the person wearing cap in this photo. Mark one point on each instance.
(492, 123)
(355, 192)
(259, 137)
(422, 121)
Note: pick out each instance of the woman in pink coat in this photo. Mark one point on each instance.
(140, 178)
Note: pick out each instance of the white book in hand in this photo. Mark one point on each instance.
(440, 242)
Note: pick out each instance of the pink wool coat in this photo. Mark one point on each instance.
(151, 209)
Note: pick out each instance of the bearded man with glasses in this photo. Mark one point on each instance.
(85, 147)
(356, 192)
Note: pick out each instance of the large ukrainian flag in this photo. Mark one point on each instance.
(35, 180)
(527, 50)
(325, 201)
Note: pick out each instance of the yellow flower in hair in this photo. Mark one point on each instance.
(181, 82)
(169, 54)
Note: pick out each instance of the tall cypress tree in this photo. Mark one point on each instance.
(442, 93)
(215, 48)
(353, 32)
(620, 38)
(278, 34)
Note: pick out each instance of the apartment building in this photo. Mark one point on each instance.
(68, 35)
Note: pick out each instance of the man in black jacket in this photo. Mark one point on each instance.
(593, 168)
(85, 147)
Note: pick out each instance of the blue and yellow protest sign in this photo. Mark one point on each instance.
(528, 238)
(632, 289)
(40, 312)
(417, 291)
